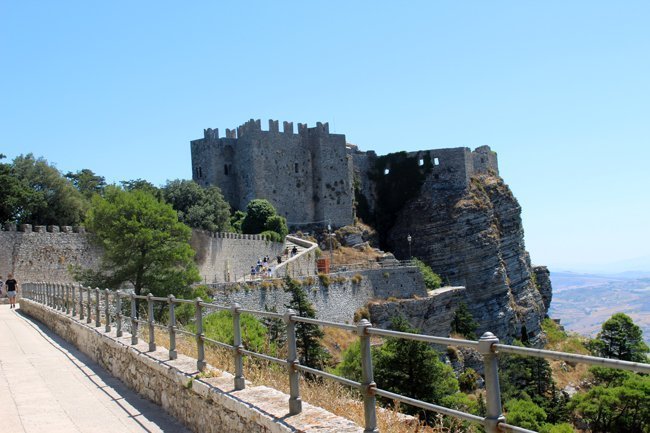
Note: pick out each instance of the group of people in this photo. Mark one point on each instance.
(10, 286)
(262, 268)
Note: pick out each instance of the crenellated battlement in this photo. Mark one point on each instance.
(29, 228)
(254, 126)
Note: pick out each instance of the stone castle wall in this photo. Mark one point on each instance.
(45, 253)
(223, 257)
(310, 167)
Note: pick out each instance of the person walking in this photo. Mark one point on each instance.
(12, 285)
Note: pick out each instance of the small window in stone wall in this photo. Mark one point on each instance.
(386, 171)
(421, 162)
(295, 167)
(225, 169)
(436, 161)
(199, 172)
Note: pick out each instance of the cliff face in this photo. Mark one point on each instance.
(474, 237)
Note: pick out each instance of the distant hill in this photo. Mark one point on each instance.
(584, 301)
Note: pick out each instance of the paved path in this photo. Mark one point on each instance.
(46, 385)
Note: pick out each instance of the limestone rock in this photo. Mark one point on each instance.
(474, 238)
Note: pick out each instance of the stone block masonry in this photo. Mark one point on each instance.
(39, 252)
(337, 302)
(305, 175)
(204, 404)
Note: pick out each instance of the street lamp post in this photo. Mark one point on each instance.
(409, 239)
(329, 236)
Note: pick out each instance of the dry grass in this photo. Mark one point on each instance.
(348, 255)
(329, 395)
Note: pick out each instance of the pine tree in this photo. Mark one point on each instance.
(311, 353)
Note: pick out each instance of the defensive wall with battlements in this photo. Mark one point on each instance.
(309, 176)
(306, 175)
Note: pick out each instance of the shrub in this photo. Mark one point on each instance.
(468, 380)
(431, 279)
(324, 279)
(362, 313)
(356, 279)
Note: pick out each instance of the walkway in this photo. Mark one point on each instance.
(46, 385)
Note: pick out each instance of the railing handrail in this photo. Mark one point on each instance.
(63, 297)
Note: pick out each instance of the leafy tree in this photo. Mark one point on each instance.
(198, 207)
(557, 428)
(277, 224)
(468, 380)
(524, 413)
(87, 182)
(431, 279)
(350, 365)
(463, 322)
(41, 194)
(141, 185)
(308, 337)
(621, 339)
(236, 221)
(144, 244)
(185, 313)
(412, 368)
(219, 326)
(258, 211)
(13, 194)
(619, 409)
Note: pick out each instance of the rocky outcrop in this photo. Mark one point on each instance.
(473, 237)
(431, 315)
(543, 283)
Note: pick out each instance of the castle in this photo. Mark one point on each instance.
(310, 176)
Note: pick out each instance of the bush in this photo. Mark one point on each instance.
(356, 279)
(361, 313)
(463, 322)
(468, 380)
(431, 279)
(324, 279)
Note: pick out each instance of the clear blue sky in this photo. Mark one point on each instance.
(560, 89)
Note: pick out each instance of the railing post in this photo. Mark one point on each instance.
(295, 403)
(134, 321)
(98, 319)
(89, 302)
(240, 382)
(67, 298)
(81, 302)
(118, 314)
(494, 414)
(152, 335)
(107, 311)
(59, 297)
(367, 379)
(47, 294)
(172, 327)
(73, 300)
(55, 300)
(200, 349)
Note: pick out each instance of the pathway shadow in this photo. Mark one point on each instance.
(144, 409)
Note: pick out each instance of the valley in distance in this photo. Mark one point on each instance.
(583, 302)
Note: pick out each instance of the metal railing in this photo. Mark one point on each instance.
(89, 304)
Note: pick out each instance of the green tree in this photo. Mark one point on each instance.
(219, 327)
(524, 413)
(13, 194)
(144, 244)
(308, 337)
(620, 338)
(141, 185)
(619, 409)
(432, 280)
(198, 207)
(258, 211)
(44, 196)
(463, 322)
(236, 220)
(412, 368)
(87, 182)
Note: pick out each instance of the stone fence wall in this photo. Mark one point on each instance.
(205, 403)
(337, 301)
